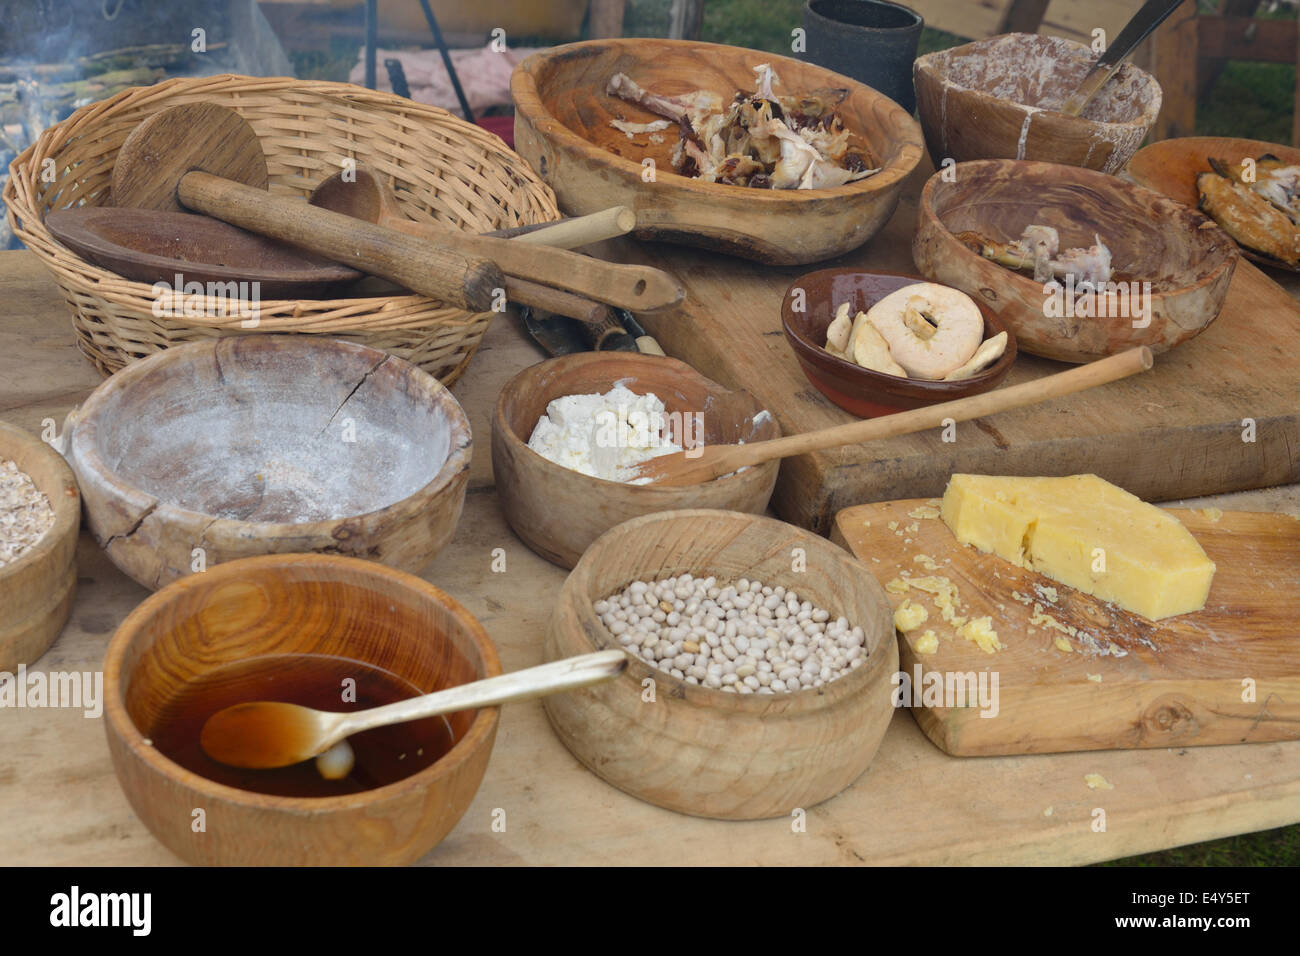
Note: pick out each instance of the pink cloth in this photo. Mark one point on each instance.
(484, 75)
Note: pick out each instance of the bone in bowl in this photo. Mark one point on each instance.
(557, 511)
(562, 127)
(302, 611)
(1184, 256)
(1000, 98)
(705, 751)
(863, 391)
(259, 444)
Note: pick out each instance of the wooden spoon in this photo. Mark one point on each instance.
(265, 734)
(207, 158)
(699, 465)
(365, 196)
(529, 273)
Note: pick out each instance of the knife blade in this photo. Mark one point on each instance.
(1149, 16)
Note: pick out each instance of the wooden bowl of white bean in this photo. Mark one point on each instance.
(761, 683)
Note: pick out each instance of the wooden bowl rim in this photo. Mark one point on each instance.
(574, 603)
(924, 66)
(119, 722)
(525, 377)
(84, 445)
(528, 102)
(1029, 170)
(870, 376)
(67, 508)
(1172, 145)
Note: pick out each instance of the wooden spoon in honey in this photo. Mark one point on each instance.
(264, 734)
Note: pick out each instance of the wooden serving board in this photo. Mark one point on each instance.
(1174, 432)
(1179, 682)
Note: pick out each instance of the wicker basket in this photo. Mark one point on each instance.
(442, 169)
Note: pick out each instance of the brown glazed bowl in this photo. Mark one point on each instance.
(859, 390)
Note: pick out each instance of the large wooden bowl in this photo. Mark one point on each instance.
(559, 512)
(36, 590)
(295, 604)
(562, 116)
(999, 98)
(707, 752)
(1186, 257)
(1172, 165)
(862, 391)
(265, 445)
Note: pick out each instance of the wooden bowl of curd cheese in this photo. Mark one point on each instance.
(559, 511)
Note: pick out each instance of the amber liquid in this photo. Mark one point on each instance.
(383, 755)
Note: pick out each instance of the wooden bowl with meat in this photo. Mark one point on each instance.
(732, 150)
(1249, 187)
(1078, 264)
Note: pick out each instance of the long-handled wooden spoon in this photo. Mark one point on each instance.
(265, 734)
(714, 461)
(183, 156)
(363, 194)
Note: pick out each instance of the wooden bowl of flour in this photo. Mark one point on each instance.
(269, 444)
(37, 586)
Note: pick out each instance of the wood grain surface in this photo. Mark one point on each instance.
(1174, 432)
(1177, 682)
(61, 803)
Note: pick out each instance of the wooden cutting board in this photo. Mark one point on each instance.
(1224, 675)
(1173, 432)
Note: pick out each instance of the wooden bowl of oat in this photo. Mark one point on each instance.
(40, 514)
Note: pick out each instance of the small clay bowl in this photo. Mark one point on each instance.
(859, 390)
(1185, 256)
(999, 98)
(268, 444)
(708, 752)
(559, 512)
(36, 590)
(295, 604)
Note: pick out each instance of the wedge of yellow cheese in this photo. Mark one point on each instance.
(1085, 533)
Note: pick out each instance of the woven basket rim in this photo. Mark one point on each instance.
(52, 138)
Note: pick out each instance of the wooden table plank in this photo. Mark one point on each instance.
(60, 802)
(1173, 432)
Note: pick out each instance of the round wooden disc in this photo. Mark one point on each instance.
(175, 141)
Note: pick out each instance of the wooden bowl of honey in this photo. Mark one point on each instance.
(322, 631)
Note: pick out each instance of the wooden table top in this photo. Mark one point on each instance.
(60, 802)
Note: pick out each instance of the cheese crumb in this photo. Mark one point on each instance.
(1214, 514)
(923, 512)
(893, 526)
(914, 527)
(1063, 644)
(926, 562)
(1095, 678)
(1096, 781)
(981, 632)
(927, 643)
(910, 616)
(1047, 812)
(896, 586)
